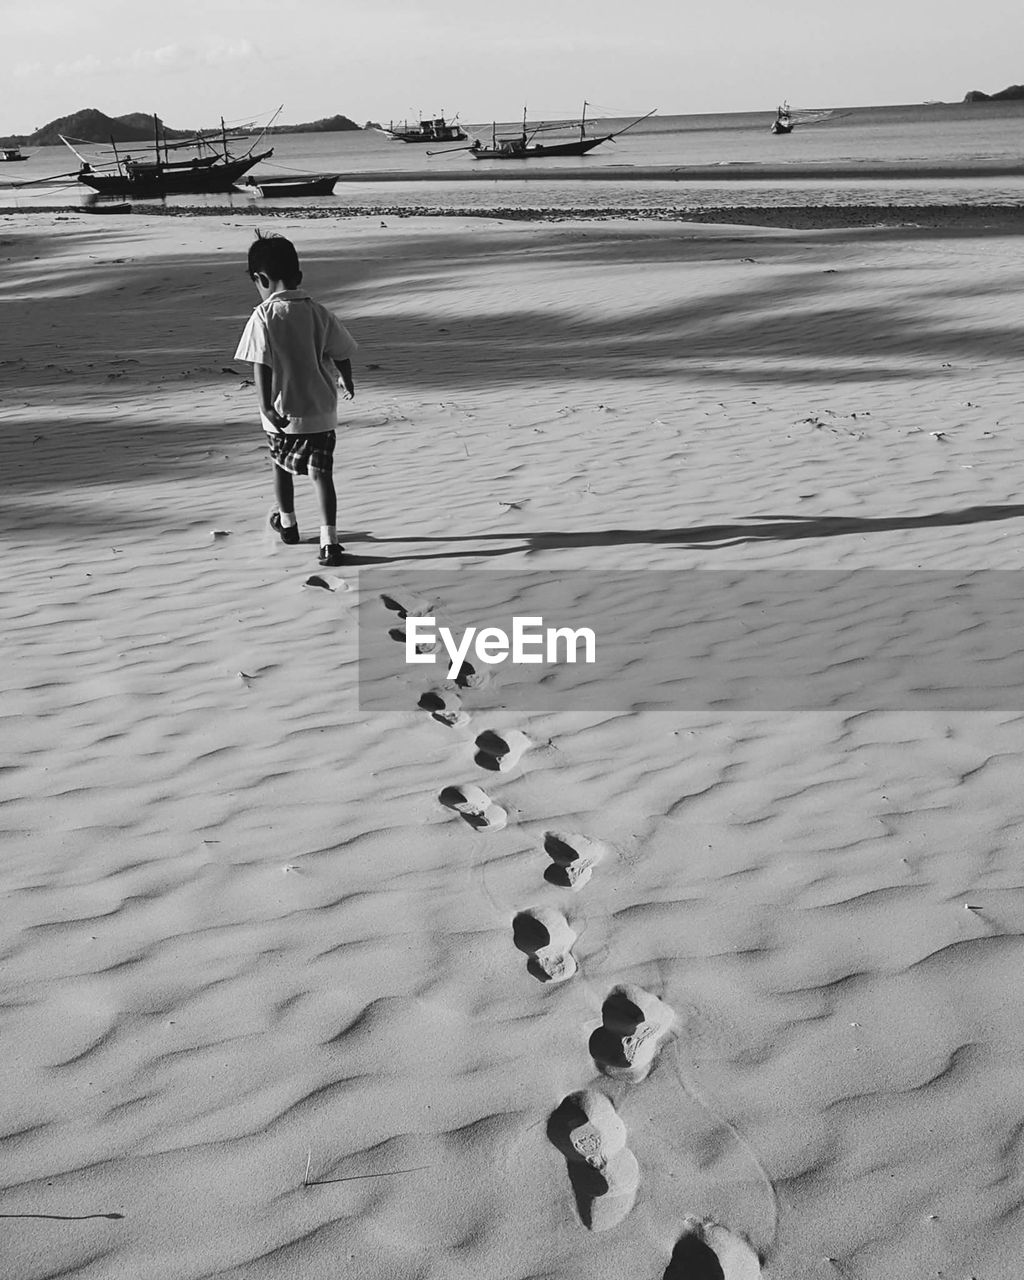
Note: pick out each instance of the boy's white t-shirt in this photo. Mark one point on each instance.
(299, 339)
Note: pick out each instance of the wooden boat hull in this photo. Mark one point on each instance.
(11, 159)
(450, 135)
(281, 188)
(93, 204)
(535, 150)
(779, 127)
(193, 178)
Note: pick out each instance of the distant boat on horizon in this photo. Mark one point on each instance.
(783, 122)
(786, 119)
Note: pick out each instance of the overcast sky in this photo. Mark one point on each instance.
(384, 59)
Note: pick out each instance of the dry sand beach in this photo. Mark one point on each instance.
(296, 991)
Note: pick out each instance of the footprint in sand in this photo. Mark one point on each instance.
(708, 1251)
(478, 809)
(546, 937)
(573, 858)
(425, 646)
(326, 582)
(445, 705)
(500, 752)
(635, 1025)
(603, 1172)
(470, 678)
(408, 606)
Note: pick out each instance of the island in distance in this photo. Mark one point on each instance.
(1004, 95)
(91, 125)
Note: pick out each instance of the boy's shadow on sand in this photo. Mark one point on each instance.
(781, 528)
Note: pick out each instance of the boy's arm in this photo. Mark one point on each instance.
(262, 375)
(344, 368)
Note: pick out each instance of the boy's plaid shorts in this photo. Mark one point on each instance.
(303, 455)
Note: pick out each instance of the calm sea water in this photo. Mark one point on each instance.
(645, 167)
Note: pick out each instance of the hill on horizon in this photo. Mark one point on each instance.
(92, 125)
(329, 124)
(1014, 91)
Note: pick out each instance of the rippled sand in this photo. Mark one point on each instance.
(731, 989)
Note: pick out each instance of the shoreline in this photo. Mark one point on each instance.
(727, 171)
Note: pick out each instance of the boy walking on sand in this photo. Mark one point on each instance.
(301, 354)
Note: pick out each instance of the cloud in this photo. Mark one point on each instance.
(168, 57)
(178, 57)
(237, 51)
(88, 65)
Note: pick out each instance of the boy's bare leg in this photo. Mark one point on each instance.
(284, 489)
(330, 547)
(327, 499)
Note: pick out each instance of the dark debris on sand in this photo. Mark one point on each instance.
(1002, 219)
(1007, 219)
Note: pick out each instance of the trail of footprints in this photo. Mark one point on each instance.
(585, 1127)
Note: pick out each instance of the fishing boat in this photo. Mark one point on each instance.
(438, 130)
(312, 184)
(213, 167)
(10, 154)
(783, 122)
(524, 147)
(787, 118)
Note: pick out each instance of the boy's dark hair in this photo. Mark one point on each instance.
(275, 257)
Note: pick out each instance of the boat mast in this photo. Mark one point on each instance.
(224, 137)
(156, 136)
(583, 121)
(72, 149)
